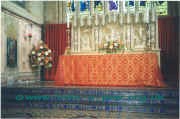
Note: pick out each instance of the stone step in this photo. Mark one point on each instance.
(165, 101)
(95, 92)
(132, 100)
(169, 109)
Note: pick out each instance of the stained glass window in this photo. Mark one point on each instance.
(113, 5)
(70, 6)
(130, 6)
(142, 5)
(84, 6)
(162, 8)
(98, 6)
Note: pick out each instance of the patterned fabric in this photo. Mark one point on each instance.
(109, 70)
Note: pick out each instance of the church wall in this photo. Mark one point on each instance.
(54, 12)
(16, 24)
(36, 9)
(27, 12)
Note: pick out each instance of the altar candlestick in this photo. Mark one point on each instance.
(67, 21)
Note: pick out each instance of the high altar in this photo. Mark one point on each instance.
(111, 45)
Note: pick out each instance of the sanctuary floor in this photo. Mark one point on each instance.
(69, 114)
(88, 102)
(166, 108)
(35, 83)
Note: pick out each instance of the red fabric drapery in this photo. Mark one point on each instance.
(168, 42)
(55, 38)
(109, 70)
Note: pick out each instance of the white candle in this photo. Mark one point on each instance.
(67, 21)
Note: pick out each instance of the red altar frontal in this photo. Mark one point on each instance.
(109, 70)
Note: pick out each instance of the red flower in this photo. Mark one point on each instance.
(29, 35)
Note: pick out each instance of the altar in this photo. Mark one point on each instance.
(109, 70)
(125, 44)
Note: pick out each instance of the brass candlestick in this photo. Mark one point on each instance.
(68, 48)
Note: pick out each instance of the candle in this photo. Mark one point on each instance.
(67, 21)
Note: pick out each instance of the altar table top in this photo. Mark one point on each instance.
(109, 70)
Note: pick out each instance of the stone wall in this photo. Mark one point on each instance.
(54, 12)
(16, 24)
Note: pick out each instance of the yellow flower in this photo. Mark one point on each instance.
(111, 47)
(33, 52)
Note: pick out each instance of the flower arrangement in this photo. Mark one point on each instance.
(30, 35)
(113, 46)
(41, 56)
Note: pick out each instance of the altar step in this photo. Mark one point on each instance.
(164, 101)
